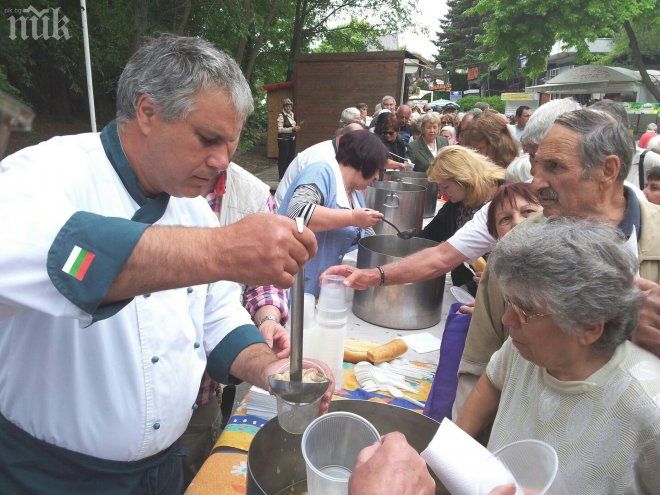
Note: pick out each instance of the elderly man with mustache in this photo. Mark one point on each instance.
(579, 171)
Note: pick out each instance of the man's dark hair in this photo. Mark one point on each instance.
(654, 174)
(521, 109)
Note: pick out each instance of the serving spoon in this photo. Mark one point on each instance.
(295, 390)
(403, 234)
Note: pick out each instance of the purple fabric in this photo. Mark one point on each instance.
(443, 390)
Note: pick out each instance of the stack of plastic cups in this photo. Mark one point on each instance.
(331, 317)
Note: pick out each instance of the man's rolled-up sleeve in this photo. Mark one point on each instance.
(228, 329)
(86, 256)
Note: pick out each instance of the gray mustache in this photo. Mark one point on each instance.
(548, 194)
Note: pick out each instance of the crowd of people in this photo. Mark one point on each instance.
(157, 272)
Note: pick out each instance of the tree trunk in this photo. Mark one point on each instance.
(296, 40)
(140, 20)
(242, 43)
(181, 26)
(639, 63)
(261, 39)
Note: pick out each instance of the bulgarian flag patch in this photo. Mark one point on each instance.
(78, 262)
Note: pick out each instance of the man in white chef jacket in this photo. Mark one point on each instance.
(109, 295)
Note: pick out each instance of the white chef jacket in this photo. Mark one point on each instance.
(116, 386)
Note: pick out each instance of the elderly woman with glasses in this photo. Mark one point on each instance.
(568, 375)
(422, 151)
(387, 129)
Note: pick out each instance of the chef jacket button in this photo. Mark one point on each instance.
(189, 289)
(156, 425)
(155, 359)
(196, 345)
(195, 407)
(147, 295)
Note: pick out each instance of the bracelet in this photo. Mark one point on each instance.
(382, 275)
(266, 318)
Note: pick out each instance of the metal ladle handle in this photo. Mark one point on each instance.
(297, 316)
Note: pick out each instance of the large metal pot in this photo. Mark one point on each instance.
(275, 461)
(406, 306)
(401, 203)
(419, 179)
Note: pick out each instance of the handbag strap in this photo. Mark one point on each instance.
(642, 177)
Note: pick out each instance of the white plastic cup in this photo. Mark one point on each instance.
(295, 417)
(330, 446)
(332, 306)
(534, 466)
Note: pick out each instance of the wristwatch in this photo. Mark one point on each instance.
(266, 318)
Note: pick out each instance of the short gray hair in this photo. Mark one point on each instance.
(600, 135)
(387, 98)
(579, 271)
(348, 115)
(544, 117)
(171, 70)
(654, 144)
(614, 108)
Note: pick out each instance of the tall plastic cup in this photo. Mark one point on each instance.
(533, 464)
(330, 446)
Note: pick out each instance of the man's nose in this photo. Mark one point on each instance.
(219, 158)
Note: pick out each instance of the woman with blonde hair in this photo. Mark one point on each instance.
(490, 136)
(469, 180)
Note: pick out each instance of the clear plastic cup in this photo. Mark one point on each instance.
(332, 307)
(295, 417)
(533, 464)
(330, 446)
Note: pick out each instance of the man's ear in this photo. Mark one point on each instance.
(145, 114)
(609, 170)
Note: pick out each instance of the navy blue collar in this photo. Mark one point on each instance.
(151, 209)
(632, 217)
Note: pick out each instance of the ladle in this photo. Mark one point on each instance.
(295, 390)
(405, 234)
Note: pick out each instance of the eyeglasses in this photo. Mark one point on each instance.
(389, 133)
(447, 122)
(521, 314)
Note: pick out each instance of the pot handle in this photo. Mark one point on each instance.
(391, 200)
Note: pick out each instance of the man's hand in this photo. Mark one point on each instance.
(265, 249)
(277, 338)
(647, 334)
(391, 466)
(356, 278)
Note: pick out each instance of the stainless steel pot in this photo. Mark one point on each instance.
(401, 203)
(275, 461)
(406, 306)
(419, 179)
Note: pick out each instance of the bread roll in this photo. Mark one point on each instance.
(356, 350)
(387, 352)
(479, 264)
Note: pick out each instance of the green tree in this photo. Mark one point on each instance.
(457, 38)
(516, 28)
(355, 36)
(312, 18)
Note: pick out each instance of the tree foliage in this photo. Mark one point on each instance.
(355, 36)
(264, 36)
(521, 28)
(457, 38)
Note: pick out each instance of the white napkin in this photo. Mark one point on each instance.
(422, 342)
(459, 462)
